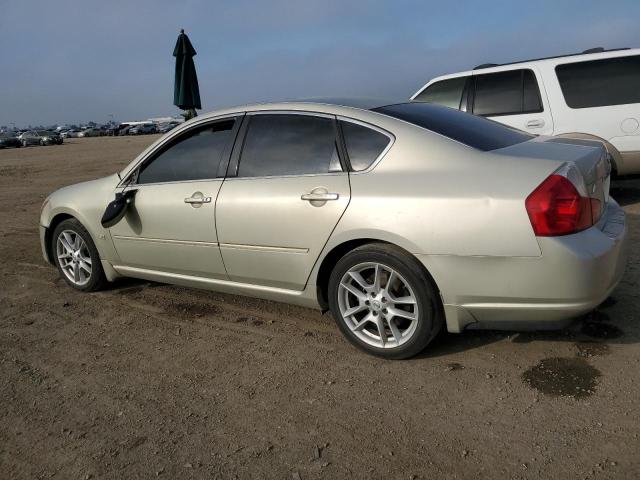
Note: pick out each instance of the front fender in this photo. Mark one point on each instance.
(86, 203)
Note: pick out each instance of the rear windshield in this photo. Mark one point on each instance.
(476, 132)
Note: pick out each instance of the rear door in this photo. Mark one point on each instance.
(285, 191)
(512, 97)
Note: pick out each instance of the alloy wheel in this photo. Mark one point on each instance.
(378, 305)
(74, 257)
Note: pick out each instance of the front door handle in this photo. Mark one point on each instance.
(535, 123)
(319, 197)
(197, 199)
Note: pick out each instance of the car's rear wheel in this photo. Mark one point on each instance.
(384, 302)
(76, 257)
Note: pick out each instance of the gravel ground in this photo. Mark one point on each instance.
(148, 380)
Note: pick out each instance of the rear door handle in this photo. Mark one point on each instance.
(319, 197)
(535, 123)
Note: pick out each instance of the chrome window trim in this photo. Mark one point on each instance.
(307, 113)
(391, 136)
(170, 136)
(267, 177)
(200, 180)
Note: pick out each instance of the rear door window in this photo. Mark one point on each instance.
(364, 144)
(506, 93)
(599, 83)
(289, 144)
(445, 92)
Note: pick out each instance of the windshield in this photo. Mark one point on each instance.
(471, 130)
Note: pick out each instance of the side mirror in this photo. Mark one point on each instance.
(118, 208)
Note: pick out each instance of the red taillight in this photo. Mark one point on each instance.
(557, 208)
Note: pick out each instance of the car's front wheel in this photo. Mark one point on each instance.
(384, 302)
(76, 257)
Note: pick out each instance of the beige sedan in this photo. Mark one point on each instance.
(402, 220)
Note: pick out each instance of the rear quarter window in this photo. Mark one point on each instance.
(364, 145)
(471, 130)
(599, 83)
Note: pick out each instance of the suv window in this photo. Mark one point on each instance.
(476, 132)
(195, 155)
(506, 93)
(445, 92)
(363, 144)
(598, 83)
(284, 144)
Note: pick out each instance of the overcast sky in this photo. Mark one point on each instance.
(75, 61)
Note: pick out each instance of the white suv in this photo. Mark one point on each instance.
(591, 95)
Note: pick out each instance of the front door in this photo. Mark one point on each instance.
(171, 226)
(279, 205)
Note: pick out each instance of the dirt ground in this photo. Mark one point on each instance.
(148, 380)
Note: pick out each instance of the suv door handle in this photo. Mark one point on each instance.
(535, 123)
(319, 197)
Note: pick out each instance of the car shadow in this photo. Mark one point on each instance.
(587, 332)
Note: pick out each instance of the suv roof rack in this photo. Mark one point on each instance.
(590, 50)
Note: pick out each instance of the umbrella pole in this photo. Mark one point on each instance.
(189, 114)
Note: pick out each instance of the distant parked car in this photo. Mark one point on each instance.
(593, 95)
(8, 140)
(29, 137)
(90, 132)
(143, 129)
(48, 137)
(35, 137)
(125, 130)
(73, 133)
(167, 127)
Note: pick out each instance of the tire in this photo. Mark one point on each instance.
(72, 262)
(416, 324)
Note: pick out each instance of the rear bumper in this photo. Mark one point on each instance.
(574, 274)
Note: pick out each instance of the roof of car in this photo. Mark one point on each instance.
(589, 51)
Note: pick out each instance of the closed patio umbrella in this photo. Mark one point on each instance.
(186, 94)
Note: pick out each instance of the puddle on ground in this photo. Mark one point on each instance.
(589, 348)
(563, 377)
